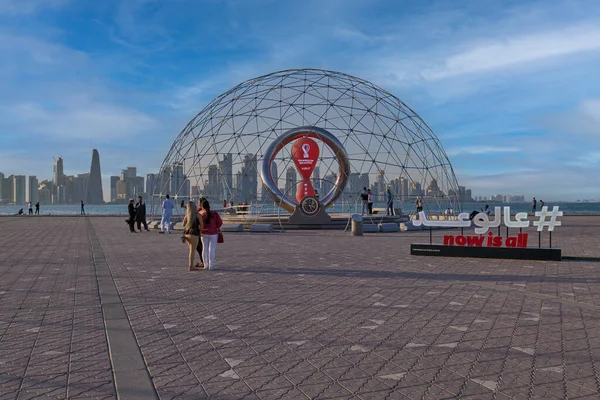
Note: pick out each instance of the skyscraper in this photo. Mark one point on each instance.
(59, 175)
(94, 190)
(2, 199)
(113, 187)
(33, 189)
(150, 183)
(81, 184)
(59, 182)
(226, 176)
(19, 188)
(290, 183)
(249, 178)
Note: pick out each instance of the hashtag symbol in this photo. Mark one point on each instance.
(552, 222)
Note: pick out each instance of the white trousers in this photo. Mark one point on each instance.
(166, 219)
(209, 247)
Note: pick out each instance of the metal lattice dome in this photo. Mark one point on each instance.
(218, 154)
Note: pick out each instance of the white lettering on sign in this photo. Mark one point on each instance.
(483, 222)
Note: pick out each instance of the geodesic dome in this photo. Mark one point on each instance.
(218, 154)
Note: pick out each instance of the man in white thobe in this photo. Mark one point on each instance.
(167, 210)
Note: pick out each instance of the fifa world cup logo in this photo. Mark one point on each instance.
(305, 153)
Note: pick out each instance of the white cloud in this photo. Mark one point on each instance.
(484, 150)
(23, 7)
(583, 122)
(511, 52)
(85, 120)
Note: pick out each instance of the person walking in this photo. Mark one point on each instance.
(533, 206)
(37, 208)
(192, 226)
(390, 203)
(131, 220)
(82, 209)
(364, 197)
(199, 248)
(30, 208)
(211, 222)
(140, 214)
(167, 210)
(369, 201)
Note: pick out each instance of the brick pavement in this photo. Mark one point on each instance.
(88, 310)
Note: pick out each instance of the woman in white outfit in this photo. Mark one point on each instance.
(210, 233)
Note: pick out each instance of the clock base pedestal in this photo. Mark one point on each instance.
(300, 218)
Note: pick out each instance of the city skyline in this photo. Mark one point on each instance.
(509, 87)
(246, 185)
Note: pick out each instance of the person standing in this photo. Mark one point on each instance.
(140, 214)
(211, 222)
(37, 208)
(199, 248)
(541, 204)
(167, 210)
(192, 226)
(131, 220)
(533, 206)
(30, 208)
(390, 203)
(364, 197)
(370, 202)
(419, 204)
(82, 209)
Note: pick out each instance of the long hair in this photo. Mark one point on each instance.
(206, 206)
(191, 215)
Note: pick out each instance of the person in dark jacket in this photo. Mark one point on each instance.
(140, 214)
(131, 220)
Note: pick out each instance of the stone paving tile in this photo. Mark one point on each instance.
(318, 315)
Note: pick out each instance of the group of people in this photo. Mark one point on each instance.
(201, 233)
(366, 197)
(201, 230)
(534, 205)
(137, 213)
(37, 209)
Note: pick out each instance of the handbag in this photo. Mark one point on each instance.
(220, 238)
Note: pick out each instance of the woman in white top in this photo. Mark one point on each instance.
(370, 201)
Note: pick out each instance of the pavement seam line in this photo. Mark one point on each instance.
(131, 376)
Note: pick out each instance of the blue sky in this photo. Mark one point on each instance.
(509, 87)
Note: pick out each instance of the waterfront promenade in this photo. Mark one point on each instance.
(88, 310)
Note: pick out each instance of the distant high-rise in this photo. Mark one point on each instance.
(19, 188)
(94, 191)
(150, 184)
(290, 183)
(113, 187)
(59, 175)
(2, 199)
(33, 189)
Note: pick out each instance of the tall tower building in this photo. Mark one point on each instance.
(19, 185)
(113, 187)
(59, 175)
(291, 183)
(94, 192)
(150, 184)
(2, 199)
(33, 189)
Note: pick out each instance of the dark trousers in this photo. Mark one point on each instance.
(131, 222)
(390, 208)
(370, 208)
(199, 250)
(140, 222)
(37, 211)
(31, 211)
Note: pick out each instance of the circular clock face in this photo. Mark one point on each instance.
(309, 205)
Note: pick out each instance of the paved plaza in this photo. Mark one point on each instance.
(88, 310)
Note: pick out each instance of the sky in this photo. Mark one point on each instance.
(510, 88)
